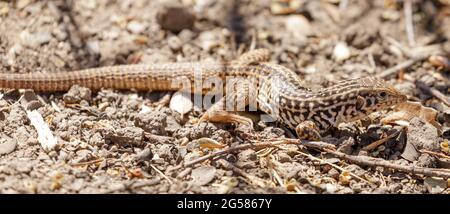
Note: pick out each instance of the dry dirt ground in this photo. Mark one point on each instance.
(113, 141)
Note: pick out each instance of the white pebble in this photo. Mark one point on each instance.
(298, 26)
(341, 51)
(136, 27)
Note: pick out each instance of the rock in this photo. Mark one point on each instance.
(422, 135)
(341, 51)
(76, 94)
(3, 104)
(209, 40)
(93, 46)
(330, 188)
(153, 122)
(21, 4)
(284, 158)
(435, 185)
(174, 43)
(144, 155)
(426, 160)
(63, 156)
(35, 40)
(12, 94)
(110, 112)
(333, 173)
(30, 101)
(410, 152)
(279, 7)
(127, 135)
(203, 175)
(207, 130)
(158, 122)
(347, 145)
(247, 155)
(186, 35)
(77, 184)
(291, 170)
(298, 26)
(8, 146)
(175, 18)
(181, 102)
(136, 27)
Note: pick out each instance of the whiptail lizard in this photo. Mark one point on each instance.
(278, 90)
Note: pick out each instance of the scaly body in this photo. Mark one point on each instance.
(279, 91)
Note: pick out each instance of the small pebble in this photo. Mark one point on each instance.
(175, 19)
(341, 51)
(144, 155)
(174, 43)
(35, 40)
(136, 27)
(76, 94)
(8, 146)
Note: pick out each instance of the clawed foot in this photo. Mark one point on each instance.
(228, 117)
(307, 130)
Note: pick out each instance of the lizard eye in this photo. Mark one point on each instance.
(382, 94)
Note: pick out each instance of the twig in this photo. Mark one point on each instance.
(372, 63)
(278, 178)
(227, 151)
(310, 144)
(161, 173)
(379, 142)
(158, 138)
(334, 165)
(406, 51)
(403, 65)
(374, 162)
(416, 51)
(434, 153)
(259, 145)
(253, 41)
(87, 163)
(440, 96)
(152, 182)
(407, 6)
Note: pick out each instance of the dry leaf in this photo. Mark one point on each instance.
(445, 146)
(135, 173)
(439, 61)
(45, 136)
(344, 178)
(54, 106)
(408, 110)
(292, 185)
(181, 102)
(203, 175)
(209, 143)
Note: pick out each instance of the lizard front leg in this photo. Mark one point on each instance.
(308, 130)
(218, 113)
(224, 111)
(252, 57)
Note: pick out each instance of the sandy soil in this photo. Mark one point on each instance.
(126, 141)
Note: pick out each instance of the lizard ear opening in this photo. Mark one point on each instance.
(360, 102)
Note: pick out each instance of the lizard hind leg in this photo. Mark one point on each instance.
(252, 57)
(226, 117)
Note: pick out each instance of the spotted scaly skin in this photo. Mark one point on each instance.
(278, 90)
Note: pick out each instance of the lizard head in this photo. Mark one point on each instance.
(354, 99)
(374, 95)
